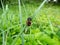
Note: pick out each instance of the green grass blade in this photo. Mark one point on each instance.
(39, 8)
(2, 5)
(3, 32)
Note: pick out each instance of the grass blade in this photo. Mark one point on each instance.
(39, 8)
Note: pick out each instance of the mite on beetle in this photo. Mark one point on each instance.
(28, 22)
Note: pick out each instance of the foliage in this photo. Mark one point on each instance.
(40, 30)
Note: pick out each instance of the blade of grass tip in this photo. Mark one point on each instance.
(6, 7)
(39, 42)
(4, 13)
(39, 8)
(2, 5)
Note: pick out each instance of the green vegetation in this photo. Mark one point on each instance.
(45, 28)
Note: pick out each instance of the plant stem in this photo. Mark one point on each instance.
(19, 1)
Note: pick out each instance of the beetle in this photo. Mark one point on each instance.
(28, 22)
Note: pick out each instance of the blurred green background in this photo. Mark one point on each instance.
(45, 27)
